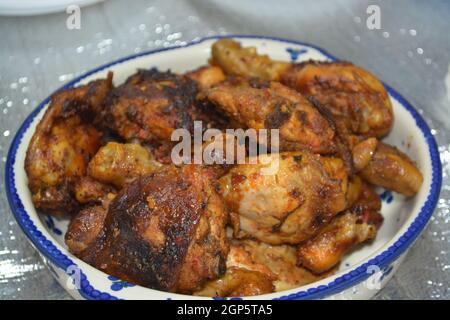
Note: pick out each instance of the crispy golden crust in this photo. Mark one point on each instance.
(65, 140)
(165, 231)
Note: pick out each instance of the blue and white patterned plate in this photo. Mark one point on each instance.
(361, 274)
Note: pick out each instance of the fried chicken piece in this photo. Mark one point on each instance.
(206, 76)
(357, 225)
(84, 228)
(88, 190)
(245, 61)
(363, 152)
(392, 169)
(383, 165)
(348, 91)
(211, 117)
(277, 262)
(262, 105)
(237, 282)
(356, 99)
(121, 163)
(165, 231)
(284, 198)
(151, 104)
(255, 268)
(354, 189)
(64, 141)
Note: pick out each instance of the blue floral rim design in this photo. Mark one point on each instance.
(383, 260)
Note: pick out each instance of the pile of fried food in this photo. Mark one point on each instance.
(101, 155)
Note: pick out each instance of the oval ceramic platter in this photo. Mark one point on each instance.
(360, 275)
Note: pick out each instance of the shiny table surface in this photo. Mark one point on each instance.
(411, 52)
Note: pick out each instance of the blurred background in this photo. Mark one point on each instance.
(410, 52)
